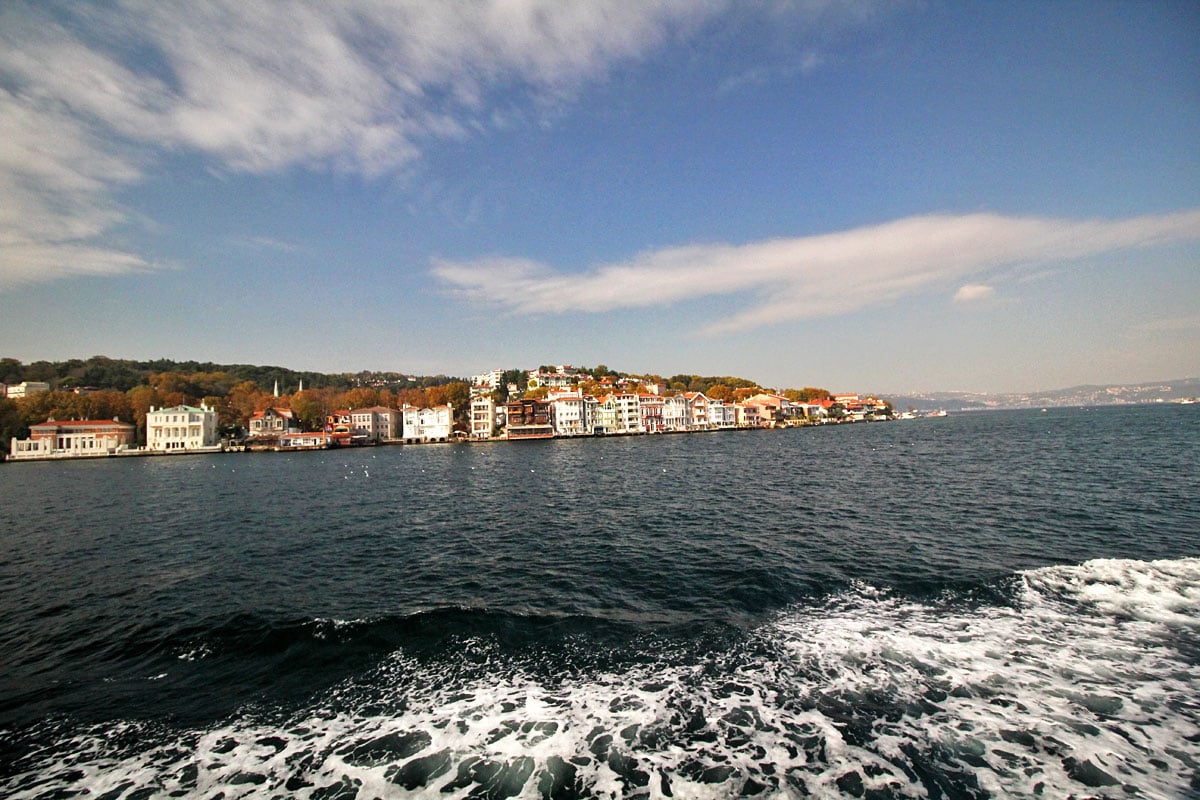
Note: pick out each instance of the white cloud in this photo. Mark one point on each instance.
(973, 292)
(91, 96)
(813, 276)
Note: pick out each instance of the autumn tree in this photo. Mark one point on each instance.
(436, 396)
(310, 407)
(360, 397)
(720, 392)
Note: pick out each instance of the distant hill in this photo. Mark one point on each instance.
(1114, 394)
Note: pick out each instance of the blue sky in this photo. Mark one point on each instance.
(866, 197)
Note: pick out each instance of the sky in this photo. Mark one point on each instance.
(887, 197)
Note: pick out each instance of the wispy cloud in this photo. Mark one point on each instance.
(813, 276)
(973, 292)
(92, 96)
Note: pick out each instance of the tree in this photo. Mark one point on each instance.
(361, 397)
(141, 398)
(11, 424)
(309, 410)
(720, 392)
(436, 396)
(459, 395)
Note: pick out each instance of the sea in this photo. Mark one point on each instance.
(993, 604)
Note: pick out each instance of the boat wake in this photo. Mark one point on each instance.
(1084, 684)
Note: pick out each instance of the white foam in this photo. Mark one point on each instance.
(1082, 687)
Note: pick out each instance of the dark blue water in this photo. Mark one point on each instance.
(1003, 604)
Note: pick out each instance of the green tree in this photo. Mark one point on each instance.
(12, 425)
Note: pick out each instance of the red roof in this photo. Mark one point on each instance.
(82, 423)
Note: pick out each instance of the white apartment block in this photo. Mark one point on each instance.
(26, 389)
(483, 417)
(182, 428)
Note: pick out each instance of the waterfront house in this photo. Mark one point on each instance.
(698, 410)
(572, 413)
(747, 415)
(529, 418)
(618, 413)
(721, 414)
(73, 439)
(182, 429)
(420, 425)
(273, 422)
(650, 413)
(773, 409)
(676, 414)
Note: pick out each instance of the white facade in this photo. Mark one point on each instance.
(572, 414)
(483, 417)
(182, 428)
(676, 413)
(553, 380)
(721, 414)
(427, 424)
(489, 379)
(26, 388)
(619, 413)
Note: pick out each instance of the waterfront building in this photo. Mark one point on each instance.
(619, 413)
(650, 413)
(529, 418)
(698, 410)
(418, 425)
(572, 413)
(772, 408)
(73, 439)
(375, 424)
(26, 389)
(747, 415)
(483, 417)
(676, 413)
(182, 428)
(273, 422)
(721, 414)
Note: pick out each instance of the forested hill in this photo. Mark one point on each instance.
(102, 372)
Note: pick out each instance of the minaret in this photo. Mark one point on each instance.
(277, 387)
(301, 389)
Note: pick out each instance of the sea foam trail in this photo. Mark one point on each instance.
(1084, 685)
